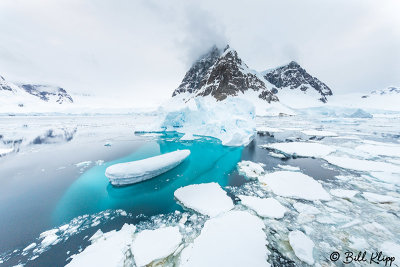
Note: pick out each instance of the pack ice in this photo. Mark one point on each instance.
(141, 170)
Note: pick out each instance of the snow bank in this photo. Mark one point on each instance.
(141, 170)
(208, 199)
(302, 246)
(235, 238)
(232, 121)
(107, 249)
(151, 245)
(265, 207)
(302, 149)
(294, 185)
(250, 169)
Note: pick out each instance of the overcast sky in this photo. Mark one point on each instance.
(142, 49)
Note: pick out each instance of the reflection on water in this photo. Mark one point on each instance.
(209, 161)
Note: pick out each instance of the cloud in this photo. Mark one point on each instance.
(140, 50)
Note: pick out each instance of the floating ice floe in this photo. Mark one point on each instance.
(390, 150)
(235, 238)
(29, 247)
(318, 133)
(302, 149)
(377, 198)
(141, 170)
(265, 207)
(151, 245)
(387, 177)
(288, 167)
(189, 137)
(276, 155)
(250, 169)
(343, 193)
(302, 246)
(264, 129)
(305, 208)
(391, 249)
(208, 199)
(361, 164)
(294, 185)
(83, 164)
(108, 249)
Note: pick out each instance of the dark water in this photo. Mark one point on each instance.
(37, 195)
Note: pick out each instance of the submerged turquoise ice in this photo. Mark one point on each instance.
(92, 192)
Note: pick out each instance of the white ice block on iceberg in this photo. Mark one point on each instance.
(141, 170)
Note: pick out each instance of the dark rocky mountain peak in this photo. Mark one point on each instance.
(193, 79)
(4, 85)
(293, 76)
(222, 74)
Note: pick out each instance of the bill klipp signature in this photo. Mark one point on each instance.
(363, 256)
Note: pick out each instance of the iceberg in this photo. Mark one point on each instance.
(141, 170)
(294, 185)
(151, 245)
(208, 199)
(359, 113)
(207, 117)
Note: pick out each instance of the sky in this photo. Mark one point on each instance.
(139, 50)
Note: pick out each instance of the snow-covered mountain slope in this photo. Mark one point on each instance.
(293, 77)
(48, 93)
(390, 90)
(222, 73)
(31, 98)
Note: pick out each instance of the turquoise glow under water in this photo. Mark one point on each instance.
(209, 161)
